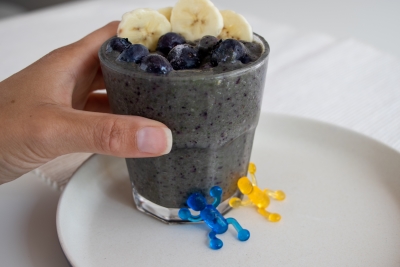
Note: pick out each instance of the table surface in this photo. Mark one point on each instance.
(28, 205)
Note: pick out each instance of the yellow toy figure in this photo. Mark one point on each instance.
(258, 198)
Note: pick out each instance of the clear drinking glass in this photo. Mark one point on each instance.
(212, 117)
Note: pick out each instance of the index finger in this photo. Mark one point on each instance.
(86, 49)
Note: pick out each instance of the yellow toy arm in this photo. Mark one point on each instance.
(277, 195)
(252, 170)
(236, 202)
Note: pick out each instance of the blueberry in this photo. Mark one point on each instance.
(168, 41)
(134, 53)
(248, 58)
(117, 44)
(228, 51)
(155, 64)
(184, 56)
(255, 49)
(206, 44)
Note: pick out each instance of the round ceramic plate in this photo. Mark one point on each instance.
(342, 208)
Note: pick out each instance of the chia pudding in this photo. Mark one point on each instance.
(212, 112)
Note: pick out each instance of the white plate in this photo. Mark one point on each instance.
(342, 208)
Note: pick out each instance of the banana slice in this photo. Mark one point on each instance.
(195, 18)
(143, 26)
(235, 27)
(166, 11)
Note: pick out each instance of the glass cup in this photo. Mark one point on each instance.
(213, 118)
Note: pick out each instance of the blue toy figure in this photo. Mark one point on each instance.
(212, 217)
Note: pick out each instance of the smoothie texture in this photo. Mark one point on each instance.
(212, 113)
(201, 72)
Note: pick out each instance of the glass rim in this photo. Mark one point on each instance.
(197, 75)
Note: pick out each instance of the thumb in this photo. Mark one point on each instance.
(116, 135)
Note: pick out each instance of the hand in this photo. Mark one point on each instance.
(50, 109)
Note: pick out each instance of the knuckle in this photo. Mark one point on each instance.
(62, 54)
(111, 136)
(55, 54)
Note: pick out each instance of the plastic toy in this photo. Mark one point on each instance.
(256, 196)
(212, 217)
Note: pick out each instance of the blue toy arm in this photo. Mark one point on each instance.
(185, 214)
(216, 192)
(243, 234)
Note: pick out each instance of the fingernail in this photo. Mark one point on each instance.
(154, 140)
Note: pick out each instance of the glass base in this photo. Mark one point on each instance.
(170, 215)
